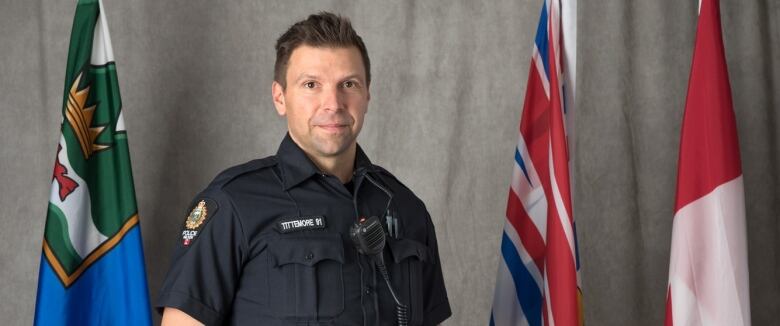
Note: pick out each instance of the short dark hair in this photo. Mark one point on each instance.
(321, 30)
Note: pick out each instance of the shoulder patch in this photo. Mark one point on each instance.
(197, 218)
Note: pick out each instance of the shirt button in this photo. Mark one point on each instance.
(368, 291)
(309, 256)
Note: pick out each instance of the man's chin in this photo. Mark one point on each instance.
(332, 152)
(333, 148)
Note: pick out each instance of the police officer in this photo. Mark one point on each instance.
(269, 243)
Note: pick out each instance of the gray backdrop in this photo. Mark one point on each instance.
(449, 82)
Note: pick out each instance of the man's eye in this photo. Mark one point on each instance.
(349, 84)
(309, 85)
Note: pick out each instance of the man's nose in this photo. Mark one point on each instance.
(331, 99)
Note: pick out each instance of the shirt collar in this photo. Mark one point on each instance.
(297, 167)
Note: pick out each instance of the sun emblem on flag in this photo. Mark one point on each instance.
(80, 118)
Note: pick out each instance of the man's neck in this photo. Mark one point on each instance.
(340, 166)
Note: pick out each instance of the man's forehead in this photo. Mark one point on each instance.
(316, 61)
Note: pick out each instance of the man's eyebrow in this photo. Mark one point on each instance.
(306, 76)
(353, 76)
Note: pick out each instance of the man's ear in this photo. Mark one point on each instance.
(277, 91)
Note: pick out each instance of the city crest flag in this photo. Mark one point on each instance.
(92, 266)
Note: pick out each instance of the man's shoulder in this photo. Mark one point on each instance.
(396, 183)
(236, 173)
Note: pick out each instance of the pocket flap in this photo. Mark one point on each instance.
(406, 248)
(308, 249)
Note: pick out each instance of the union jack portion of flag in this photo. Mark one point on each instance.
(538, 282)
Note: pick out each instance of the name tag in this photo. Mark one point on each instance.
(292, 224)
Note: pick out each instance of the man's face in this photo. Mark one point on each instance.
(325, 100)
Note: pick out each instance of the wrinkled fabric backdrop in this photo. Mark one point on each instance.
(449, 81)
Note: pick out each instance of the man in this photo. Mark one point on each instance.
(268, 242)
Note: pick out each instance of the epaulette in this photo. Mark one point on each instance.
(230, 174)
(384, 171)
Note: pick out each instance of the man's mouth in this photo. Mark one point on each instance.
(332, 127)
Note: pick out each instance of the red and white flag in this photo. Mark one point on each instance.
(708, 269)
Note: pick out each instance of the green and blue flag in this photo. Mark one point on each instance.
(92, 268)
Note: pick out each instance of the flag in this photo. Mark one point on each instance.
(538, 282)
(708, 271)
(92, 267)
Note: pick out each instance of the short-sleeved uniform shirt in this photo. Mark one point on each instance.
(267, 243)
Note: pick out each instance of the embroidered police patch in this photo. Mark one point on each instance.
(292, 224)
(193, 223)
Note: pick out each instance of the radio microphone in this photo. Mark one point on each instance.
(369, 238)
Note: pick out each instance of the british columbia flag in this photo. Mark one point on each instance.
(538, 282)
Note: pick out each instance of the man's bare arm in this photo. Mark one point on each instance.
(176, 317)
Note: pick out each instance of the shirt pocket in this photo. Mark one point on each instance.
(407, 274)
(305, 279)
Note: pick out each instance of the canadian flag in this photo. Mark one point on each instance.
(708, 268)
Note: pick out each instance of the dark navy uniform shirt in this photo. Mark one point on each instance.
(267, 243)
